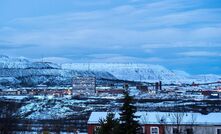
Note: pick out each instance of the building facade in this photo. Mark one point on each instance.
(168, 122)
(83, 84)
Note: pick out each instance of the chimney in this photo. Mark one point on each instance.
(157, 86)
(160, 85)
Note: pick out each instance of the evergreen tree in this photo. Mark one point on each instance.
(110, 125)
(129, 124)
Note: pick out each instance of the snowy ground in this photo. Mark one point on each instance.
(59, 108)
(14, 97)
(50, 107)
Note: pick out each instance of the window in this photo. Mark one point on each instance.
(95, 129)
(143, 129)
(175, 131)
(154, 130)
(189, 131)
(218, 131)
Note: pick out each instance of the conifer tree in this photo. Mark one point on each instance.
(110, 125)
(129, 124)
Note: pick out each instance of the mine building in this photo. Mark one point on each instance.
(83, 85)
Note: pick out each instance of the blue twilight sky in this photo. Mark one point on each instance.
(178, 34)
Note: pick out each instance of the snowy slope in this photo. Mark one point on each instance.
(24, 63)
(143, 72)
(8, 62)
(9, 80)
(45, 110)
(207, 78)
(22, 72)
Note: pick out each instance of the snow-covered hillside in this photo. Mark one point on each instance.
(143, 72)
(22, 72)
(207, 78)
(24, 63)
(45, 109)
(8, 62)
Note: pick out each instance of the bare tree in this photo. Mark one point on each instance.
(162, 119)
(176, 119)
(174, 122)
(192, 123)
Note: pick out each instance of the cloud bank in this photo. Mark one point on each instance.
(183, 33)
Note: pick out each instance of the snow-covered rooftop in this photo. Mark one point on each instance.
(165, 118)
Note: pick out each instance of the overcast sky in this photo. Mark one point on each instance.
(178, 34)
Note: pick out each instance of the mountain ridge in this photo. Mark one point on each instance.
(143, 72)
(20, 71)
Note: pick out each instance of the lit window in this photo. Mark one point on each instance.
(154, 130)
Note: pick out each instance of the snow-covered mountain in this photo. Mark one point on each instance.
(136, 72)
(24, 63)
(143, 72)
(207, 77)
(8, 62)
(22, 72)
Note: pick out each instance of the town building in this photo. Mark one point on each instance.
(38, 90)
(10, 92)
(109, 90)
(168, 122)
(84, 85)
(212, 94)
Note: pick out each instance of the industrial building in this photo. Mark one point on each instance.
(83, 84)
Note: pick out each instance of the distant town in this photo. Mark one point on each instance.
(83, 86)
(72, 107)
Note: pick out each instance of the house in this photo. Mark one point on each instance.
(168, 122)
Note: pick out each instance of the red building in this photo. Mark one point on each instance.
(168, 123)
